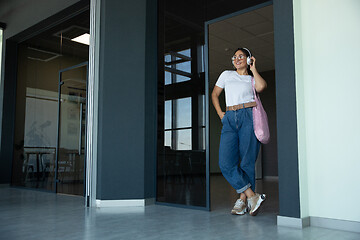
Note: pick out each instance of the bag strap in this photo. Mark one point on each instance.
(253, 86)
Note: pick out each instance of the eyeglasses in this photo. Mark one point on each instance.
(237, 57)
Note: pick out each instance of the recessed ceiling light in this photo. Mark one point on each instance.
(84, 39)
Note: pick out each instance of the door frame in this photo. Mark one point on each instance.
(56, 181)
(286, 112)
(207, 81)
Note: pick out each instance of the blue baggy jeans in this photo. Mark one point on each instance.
(238, 144)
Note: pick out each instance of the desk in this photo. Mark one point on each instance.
(39, 152)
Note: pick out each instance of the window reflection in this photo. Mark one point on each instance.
(183, 112)
(178, 67)
(181, 123)
(178, 124)
(183, 139)
(168, 114)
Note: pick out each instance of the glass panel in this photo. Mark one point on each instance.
(183, 113)
(181, 162)
(178, 67)
(180, 78)
(183, 139)
(167, 78)
(168, 139)
(70, 173)
(183, 66)
(40, 59)
(168, 114)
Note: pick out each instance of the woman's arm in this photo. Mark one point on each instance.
(260, 83)
(215, 100)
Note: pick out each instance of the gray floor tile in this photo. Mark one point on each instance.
(26, 214)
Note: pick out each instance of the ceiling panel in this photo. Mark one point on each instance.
(260, 28)
(220, 44)
(233, 34)
(266, 12)
(246, 19)
(221, 58)
(252, 43)
(268, 37)
(253, 30)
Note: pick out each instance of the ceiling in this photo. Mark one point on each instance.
(57, 39)
(253, 30)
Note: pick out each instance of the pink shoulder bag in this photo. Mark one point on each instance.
(261, 126)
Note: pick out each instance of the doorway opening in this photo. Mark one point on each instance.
(50, 111)
(253, 30)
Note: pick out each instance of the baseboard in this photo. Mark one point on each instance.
(125, 203)
(330, 223)
(293, 222)
(4, 185)
(337, 224)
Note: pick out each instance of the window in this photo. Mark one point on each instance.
(178, 124)
(178, 67)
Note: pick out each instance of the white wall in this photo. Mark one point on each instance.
(327, 58)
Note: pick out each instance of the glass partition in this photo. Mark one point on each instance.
(40, 60)
(72, 130)
(181, 165)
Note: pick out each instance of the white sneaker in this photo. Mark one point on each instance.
(254, 203)
(240, 207)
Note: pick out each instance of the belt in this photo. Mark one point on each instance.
(241, 106)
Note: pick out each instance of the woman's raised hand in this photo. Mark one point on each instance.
(252, 65)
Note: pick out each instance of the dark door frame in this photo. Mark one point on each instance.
(289, 192)
(56, 180)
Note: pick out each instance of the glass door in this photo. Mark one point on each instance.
(182, 177)
(70, 162)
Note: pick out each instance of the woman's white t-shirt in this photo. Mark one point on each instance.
(238, 88)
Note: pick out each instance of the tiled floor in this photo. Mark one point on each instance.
(28, 214)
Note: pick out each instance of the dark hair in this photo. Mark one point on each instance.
(247, 55)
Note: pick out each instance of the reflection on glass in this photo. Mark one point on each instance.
(178, 67)
(202, 139)
(71, 153)
(184, 65)
(167, 142)
(183, 112)
(40, 59)
(168, 114)
(183, 139)
(181, 164)
(167, 78)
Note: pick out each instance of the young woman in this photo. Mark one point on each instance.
(239, 146)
